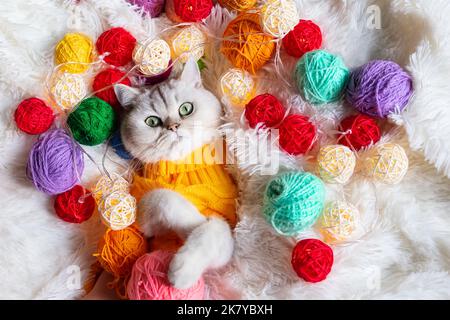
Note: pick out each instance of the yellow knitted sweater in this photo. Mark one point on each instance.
(199, 177)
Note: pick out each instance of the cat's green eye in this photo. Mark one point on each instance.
(186, 109)
(153, 121)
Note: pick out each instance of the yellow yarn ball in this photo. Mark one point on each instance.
(152, 57)
(386, 163)
(107, 185)
(336, 164)
(68, 89)
(238, 5)
(189, 41)
(237, 86)
(118, 210)
(278, 17)
(338, 221)
(73, 48)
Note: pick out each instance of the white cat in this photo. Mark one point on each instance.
(163, 123)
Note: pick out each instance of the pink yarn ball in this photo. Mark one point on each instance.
(152, 7)
(149, 280)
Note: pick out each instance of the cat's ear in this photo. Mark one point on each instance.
(191, 73)
(125, 94)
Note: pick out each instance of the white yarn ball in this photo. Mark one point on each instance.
(279, 17)
(338, 221)
(118, 210)
(386, 163)
(107, 185)
(189, 41)
(336, 164)
(152, 57)
(68, 89)
(237, 86)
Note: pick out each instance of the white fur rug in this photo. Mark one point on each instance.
(404, 248)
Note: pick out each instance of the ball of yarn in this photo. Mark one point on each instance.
(336, 164)
(188, 10)
(75, 205)
(119, 44)
(68, 89)
(103, 85)
(293, 202)
(237, 86)
(237, 5)
(73, 48)
(379, 88)
(321, 77)
(312, 260)
(265, 109)
(278, 17)
(33, 116)
(358, 132)
(149, 280)
(297, 135)
(246, 46)
(152, 56)
(117, 251)
(55, 163)
(106, 185)
(338, 221)
(188, 42)
(117, 144)
(152, 7)
(118, 210)
(305, 37)
(92, 122)
(386, 163)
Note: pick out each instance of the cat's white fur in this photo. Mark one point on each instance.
(208, 241)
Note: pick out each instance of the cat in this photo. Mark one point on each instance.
(162, 123)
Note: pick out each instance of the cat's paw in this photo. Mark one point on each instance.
(184, 270)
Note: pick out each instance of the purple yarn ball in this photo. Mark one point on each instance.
(143, 80)
(55, 163)
(152, 7)
(379, 88)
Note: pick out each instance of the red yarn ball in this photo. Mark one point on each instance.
(75, 205)
(264, 109)
(305, 37)
(33, 116)
(105, 79)
(312, 260)
(358, 132)
(192, 10)
(297, 135)
(120, 45)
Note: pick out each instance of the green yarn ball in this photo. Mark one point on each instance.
(293, 202)
(92, 122)
(321, 77)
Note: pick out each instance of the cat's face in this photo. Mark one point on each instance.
(170, 120)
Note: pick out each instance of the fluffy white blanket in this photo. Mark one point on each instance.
(404, 251)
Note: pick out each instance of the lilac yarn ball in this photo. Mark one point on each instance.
(379, 88)
(152, 7)
(55, 163)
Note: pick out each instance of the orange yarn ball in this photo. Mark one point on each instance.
(237, 5)
(247, 46)
(119, 250)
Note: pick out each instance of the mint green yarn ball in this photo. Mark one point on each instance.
(293, 202)
(321, 77)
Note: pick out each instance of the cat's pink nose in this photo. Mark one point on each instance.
(173, 127)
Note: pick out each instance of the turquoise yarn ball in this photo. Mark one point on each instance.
(321, 77)
(293, 202)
